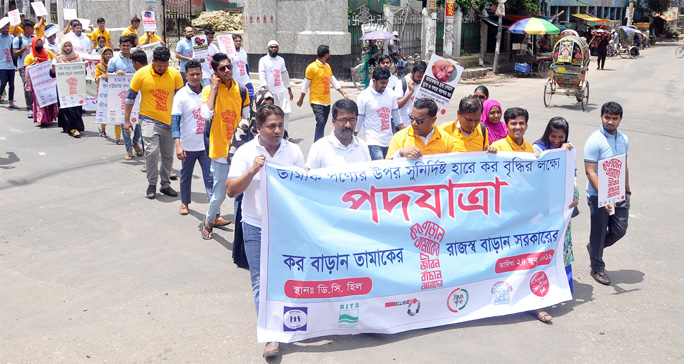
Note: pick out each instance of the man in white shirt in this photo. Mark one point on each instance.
(244, 177)
(341, 146)
(406, 89)
(377, 109)
(273, 77)
(240, 66)
(52, 43)
(81, 42)
(187, 131)
(207, 71)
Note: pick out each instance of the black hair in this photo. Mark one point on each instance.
(514, 112)
(426, 103)
(76, 24)
(470, 104)
(100, 20)
(135, 19)
(381, 73)
(193, 63)
(419, 66)
(139, 56)
(611, 107)
(237, 36)
(322, 51)
(209, 31)
(28, 23)
(483, 89)
(346, 105)
(125, 39)
(161, 54)
(383, 57)
(217, 59)
(267, 110)
(556, 123)
(101, 37)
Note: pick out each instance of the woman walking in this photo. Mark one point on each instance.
(44, 116)
(70, 118)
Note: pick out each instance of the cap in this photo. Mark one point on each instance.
(395, 33)
(273, 42)
(50, 31)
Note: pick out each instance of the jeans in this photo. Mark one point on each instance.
(136, 137)
(252, 238)
(605, 230)
(188, 167)
(7, 77)
(377, 152)
(321, 114)
(158, 142)
(27, 94)
(601, 61)
(219, 173)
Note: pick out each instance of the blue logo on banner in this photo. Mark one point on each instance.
(294, 318)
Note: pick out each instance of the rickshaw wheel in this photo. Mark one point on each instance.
(624, 53)
(543, 68)
(548, 92)
(585, 96)
(633, 52)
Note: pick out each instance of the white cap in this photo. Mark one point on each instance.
(395, 33)
(4, 21)
(50, 31)
(273, 42)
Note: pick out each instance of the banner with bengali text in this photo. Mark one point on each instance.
(44, 86)
(390, 246)
(71, 84)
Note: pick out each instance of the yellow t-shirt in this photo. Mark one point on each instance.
(227, 115)
(99, 72)
(16, 30)
(154, 38)
(319, 90)
(97, 33)
(39, 32)
(132, 32)
(475, 142)
(440, 142)
(156, 92)
(508, 145)
(30, 58)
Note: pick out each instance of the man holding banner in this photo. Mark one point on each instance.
(608, 223)
(467, 130)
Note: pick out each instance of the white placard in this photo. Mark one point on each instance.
(611, 180)
(200, 47)
(44, 86)
(85, 23)
(439, 82)
(148, 49)
(101, 108)
(39, 8)
(118, 86)
(71, 84)
(70, 14)
(149, 21)
(226, 45)
(4, 21)
(14, 17)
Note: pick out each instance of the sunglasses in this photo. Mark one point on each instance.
(481, 97)
(418, 120)
(223, 68)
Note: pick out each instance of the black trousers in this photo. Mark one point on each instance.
(605, 230)
(321, 113)
(601, 61)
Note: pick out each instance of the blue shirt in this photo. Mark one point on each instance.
(24, 41)
(120, 63)
(6, 56)
(184, 47)
(602, 145)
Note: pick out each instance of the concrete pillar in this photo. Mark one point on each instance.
(458, 21)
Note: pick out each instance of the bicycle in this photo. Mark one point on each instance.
(679, 52)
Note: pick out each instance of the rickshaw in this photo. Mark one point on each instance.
(569, 70)
(626, 47)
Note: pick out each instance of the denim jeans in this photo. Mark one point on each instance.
(321, 114)
(605, 230)
(219, 173)
(377, 152)
(252, 238)
(27, 94)
(128, 143)
(7, 77)
(187, 167)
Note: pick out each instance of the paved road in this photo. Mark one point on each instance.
(91, 271)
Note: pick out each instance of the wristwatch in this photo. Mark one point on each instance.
(628, 192)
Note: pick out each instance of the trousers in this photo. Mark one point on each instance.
(605, 230)
(158, 142)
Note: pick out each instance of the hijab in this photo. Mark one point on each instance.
(68, 57)
(41, 56)
(495, 131)
(104, 63)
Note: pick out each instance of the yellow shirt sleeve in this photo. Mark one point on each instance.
(29, 59)
(309, 74)
(136, 82)
(395, 144)
(178, 79)
(205, 93)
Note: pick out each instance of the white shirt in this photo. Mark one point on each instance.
(81, 44)
(288, 154)
(187, 103)
(400, 93)
(55, 48)
(329, 152)
(207, 71)
(240, 71)
(376, 111)
(272, 73)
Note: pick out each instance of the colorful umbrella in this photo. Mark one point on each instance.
(378, 34)
(533, 26)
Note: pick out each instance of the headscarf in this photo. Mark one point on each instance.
(247, 130)
(103, 63)
(495, 131)
(41, 56)
(68, 57)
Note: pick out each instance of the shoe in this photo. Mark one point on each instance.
(183, 210)
(29, 114)
(151, 192)
(143, 169)
(168, 191)
(272, 349)
(173, 176)
(103, 133)
(220, 221)
(13, 107)
(600, 277)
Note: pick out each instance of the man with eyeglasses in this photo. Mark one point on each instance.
(377, 110)
(422, 137)
(341, 146)
(467, 130)
(224, 103)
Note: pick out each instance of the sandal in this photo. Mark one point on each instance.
(143, 169)
(542, 316)
(173, 176)
(206, 230)
(138, 150)
(128, 157)
(75, 133)
(119, 142)
(103, 133)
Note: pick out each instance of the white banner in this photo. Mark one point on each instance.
(117, 90)
(14, 17)
(39, 8)
(71, 84)
(148, 49)
(101, 109)
(226, 45)
(439, 82)
(70, 14)
(44, 86)
(200, 47)
(149, 22)
(611, 180)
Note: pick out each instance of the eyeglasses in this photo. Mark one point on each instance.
(223, 68)
(481, 97)
(418, 120)
(344, 121)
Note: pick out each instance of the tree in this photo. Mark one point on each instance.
(657, 6)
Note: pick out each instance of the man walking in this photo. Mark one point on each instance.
(80, 41)
(184, 50)
(240, 66)
(273, 77)
(319, 77)
(21, 47)
(187, 131)
(6, 65)
(377, 109)
(602, 49)
(132, 31)
(406, 89)
(207, 71)
(157, 84)
(608, 223)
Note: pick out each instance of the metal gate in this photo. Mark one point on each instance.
(409, 23)
(358, 17)
(177, 15)
(470, 34)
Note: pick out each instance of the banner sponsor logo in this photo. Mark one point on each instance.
(349, 315)
(295, 318)
(457, 300)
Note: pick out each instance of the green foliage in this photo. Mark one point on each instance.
(658, 6)
(529, 5)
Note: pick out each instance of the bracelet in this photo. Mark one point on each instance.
(628, 192)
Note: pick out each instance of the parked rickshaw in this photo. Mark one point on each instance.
(626, 46)
(568, 71)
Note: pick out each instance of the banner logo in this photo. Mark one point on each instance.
(349, 316)
(457, 300)
(502, 293)
(294, 318)
(413, 306)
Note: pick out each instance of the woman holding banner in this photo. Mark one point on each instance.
(42, 115)
(491, 118)
(69, 118)
(101, 72)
